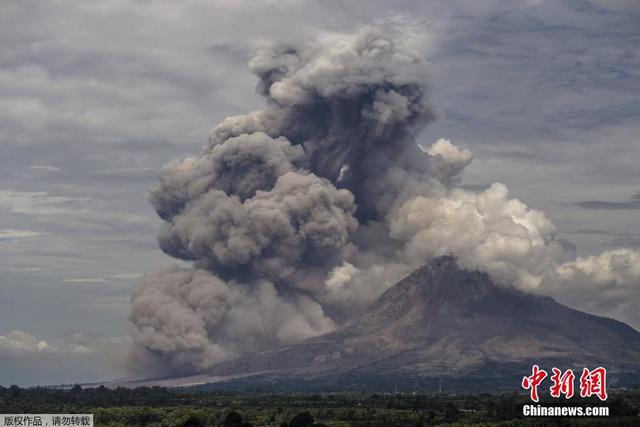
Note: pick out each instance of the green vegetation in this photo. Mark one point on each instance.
(163, 407)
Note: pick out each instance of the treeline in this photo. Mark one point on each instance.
(156, 406)
(52, 400)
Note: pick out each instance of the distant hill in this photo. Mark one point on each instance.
(441, 326)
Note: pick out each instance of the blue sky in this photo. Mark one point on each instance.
(96, 97)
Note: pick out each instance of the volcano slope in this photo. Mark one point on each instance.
(441, 327)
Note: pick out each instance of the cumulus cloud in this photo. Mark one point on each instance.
(298, 215)
(448, 159)
(610, 270)
(17, 345)
(62, 361)
(607, 283)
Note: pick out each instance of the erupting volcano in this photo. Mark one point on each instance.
(297, 217)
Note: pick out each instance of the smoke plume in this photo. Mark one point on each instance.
(297, 216)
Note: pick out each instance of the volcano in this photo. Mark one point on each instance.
(441, 326)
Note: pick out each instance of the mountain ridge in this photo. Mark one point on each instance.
(439, 322)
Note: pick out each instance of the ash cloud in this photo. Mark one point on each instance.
(297, 216)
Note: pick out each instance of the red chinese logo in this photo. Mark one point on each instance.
(562, 383)
(592, 383)
(532, 382)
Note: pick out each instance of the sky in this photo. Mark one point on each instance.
(96, 97)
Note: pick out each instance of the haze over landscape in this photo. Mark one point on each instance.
(374, 143)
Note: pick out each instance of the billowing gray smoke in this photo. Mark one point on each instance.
(299, 215)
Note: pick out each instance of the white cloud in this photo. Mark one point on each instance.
(607, 284)
(38, 203)
(98, 212)
(87, 280)
(45, 168)
(126, 276)
(19, 344)
(13, 235)
(28, 360)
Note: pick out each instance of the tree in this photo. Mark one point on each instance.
(233, 419)
(620, 407)
(451, 413)
(145, 415)
(303, 419)
(192, 421)
(14, 391)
